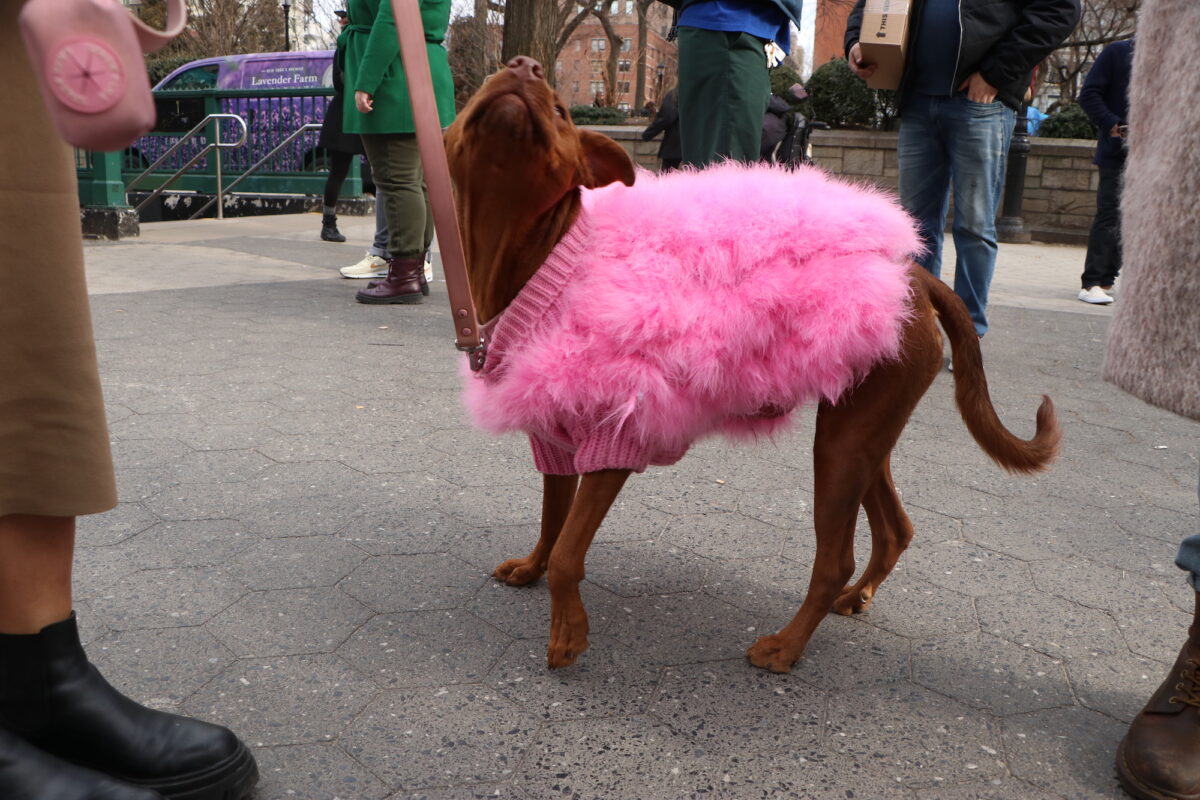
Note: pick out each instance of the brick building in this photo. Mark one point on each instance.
(831, 30)
(581, 71)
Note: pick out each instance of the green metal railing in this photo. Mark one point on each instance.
(292, 168)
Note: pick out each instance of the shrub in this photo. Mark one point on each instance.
(1067, 122)
(841, 99)
(595, 115)
(782, 79)
(159, 67)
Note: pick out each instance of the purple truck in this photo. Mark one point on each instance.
(295, 89)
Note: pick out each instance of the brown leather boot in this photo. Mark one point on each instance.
(1159, 758)
(402, 284)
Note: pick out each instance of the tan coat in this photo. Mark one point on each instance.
(1154, 341)
(54, 455)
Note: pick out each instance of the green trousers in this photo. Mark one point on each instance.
(396, 166)
(724, 88)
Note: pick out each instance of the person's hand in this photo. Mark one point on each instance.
(1116, 131)
(364, 102)
(858, 66)
(978, 90)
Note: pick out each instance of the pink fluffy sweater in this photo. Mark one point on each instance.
(691, 304)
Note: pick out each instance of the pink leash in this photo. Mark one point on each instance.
(411, 32)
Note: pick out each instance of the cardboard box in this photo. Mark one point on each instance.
(883, 40)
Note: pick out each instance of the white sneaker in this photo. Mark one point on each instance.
(371, 266)
(1095, 295)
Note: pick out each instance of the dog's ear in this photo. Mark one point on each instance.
(607, 161)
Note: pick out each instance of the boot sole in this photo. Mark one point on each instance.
(231, 779)
(1136, 788)
(400, 299)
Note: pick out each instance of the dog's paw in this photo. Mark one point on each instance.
(853, 601)
(518, 571)
(773, 653)
(568, 638)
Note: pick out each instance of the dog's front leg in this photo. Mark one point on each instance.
(568, 619)
(558, 492)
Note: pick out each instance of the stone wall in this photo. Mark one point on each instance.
(1060, 181)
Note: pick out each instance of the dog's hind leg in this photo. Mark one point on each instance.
(558, 492)
(568, 619)
(891, 531)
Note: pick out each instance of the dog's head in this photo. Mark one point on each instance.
(516, 141)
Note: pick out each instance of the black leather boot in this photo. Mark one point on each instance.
(329, 231)
(402, 284)
(56, 701)
(27, 773)
(1159, 758)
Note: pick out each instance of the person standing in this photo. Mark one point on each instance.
(341, 146)
(666, 122)
(1105, 99)
(65, 733)
(725, 50)
(1153, 350)
(378, 108)
(969, 64)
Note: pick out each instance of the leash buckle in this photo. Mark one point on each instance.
(476, 354)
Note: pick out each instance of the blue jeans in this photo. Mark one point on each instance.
(952, 142)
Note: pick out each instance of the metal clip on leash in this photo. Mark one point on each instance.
(411, 33)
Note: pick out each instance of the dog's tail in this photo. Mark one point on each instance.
(971, 393)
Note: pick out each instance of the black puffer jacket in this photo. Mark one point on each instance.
(1002, 40)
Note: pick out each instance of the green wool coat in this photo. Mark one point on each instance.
(372, 65)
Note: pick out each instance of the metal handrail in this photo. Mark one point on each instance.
(311, 126)
(215, 145)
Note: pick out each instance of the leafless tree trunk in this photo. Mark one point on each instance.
(639, 92)
(223, 27)
(533, 27)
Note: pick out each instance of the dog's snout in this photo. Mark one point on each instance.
(527, 68)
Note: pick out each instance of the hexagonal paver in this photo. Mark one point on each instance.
(487, 506)
(524, 611)
(1050, 624)
(425, 648)
(465, 792)
(124, 521)
(992, 674)
(845, 654)
(631, 520)
(772, 588)
(314, 772)
(1157, 634)
(216, 466)
(162, 666)
(635, 569)
(682, 628)
(436, 737)
(1065, 750)
(292, 700)
(771, 710)
(615, 758)
(675, 495)
(996, 789)
(401, 531)
(1117, 685)
(296, 562)
(919, 610)
(195, 543)
(804, 773)
(289, 622)
(722, 536)
(788, 509)
(95, 569)
(967, 569)
(166, 598)
(315, 515)
(413, 583)
(612, 680)
(913, 734)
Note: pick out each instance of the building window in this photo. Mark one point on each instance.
(626, 45)
(596, 88)
(623, 87)
(629, 7)
(599, 45)
(623, 66)
(597, 67)
(575, 87)
(623, 106)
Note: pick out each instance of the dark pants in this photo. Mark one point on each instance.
(1103, 260)
(339, 168)
(723, 92)
(396, 166)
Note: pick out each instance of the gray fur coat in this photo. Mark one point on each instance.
(1154, 342)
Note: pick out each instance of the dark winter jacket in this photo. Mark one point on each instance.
(1002, 40)
(790, 7)
(1105, 99)
(666, 121)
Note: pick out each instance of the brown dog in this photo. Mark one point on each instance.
(518, 163)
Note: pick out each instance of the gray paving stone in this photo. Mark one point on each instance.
(425, 648)
(1155, 634)
(804, 773)
(91, 627)
(404, 531)
(914, 735)
(967, 569)
(991, 674)
(313, 772)
(636, 569)
(919, 610)
(413, 583)
(225, 436)
(166, 598)
(631, 520)
(674, 494)
(524, 611)
(1066, 750)
(314, 515)
(728, 707)
(296, 562)
(683, 628)
(197, 543)
(996, 789)
(135, 485)
(727, 536)
(435, 737)
(293, 700)
(146, 453)
(788, 509)
(1145, 519)
(289, 622)
(468, 792)
(1117, 685)
(487, 548)
(610, 681)
(1109, 544)
(162, 666)
(403, 456)
(113, 527)
(1050, 625)
(845, 654)
(487, 506)
(215, 466)
(615, 759)
(772, 588)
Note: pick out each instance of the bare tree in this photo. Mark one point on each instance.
(534, 28)
(1102, 22)
(222, 27)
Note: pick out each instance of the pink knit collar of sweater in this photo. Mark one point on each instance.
(537, 301)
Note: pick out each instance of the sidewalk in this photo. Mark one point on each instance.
(308, 525)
